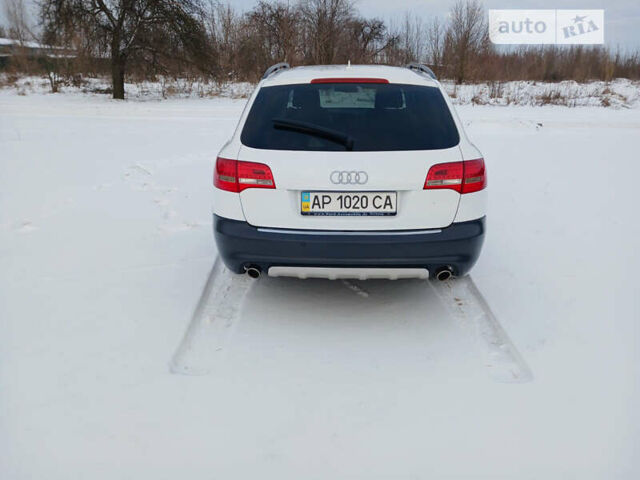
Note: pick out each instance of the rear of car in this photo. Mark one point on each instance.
(358, 171)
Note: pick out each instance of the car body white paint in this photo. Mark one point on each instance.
(295, 171)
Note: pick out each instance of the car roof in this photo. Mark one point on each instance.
(306, 74)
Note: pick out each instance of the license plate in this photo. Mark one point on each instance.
(348, 203)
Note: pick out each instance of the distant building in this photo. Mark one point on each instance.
(10, 47)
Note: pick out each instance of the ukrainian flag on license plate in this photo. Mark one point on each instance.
(306, 201)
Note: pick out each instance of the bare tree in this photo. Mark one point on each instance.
(223, 27)
(127, 27)
(367, 39)
(18, 20)
(20, 30)
(184, 38)
(323, 23)
(277, 25)
(412, 38)
(467, 35)
(435, 43)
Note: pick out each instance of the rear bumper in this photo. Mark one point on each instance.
(241, 244)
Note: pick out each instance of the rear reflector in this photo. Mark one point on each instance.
(463, 177)
(349, 80)
(236, 176)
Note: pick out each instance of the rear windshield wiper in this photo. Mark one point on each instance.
(317, 130)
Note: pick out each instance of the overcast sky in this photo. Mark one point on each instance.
(622, 17)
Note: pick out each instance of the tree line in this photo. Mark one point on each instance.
(212, 40)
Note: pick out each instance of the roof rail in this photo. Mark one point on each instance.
(275, 68)
(421, 68)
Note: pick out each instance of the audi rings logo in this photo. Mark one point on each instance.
(345, 177)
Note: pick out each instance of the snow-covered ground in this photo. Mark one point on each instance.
(142, 90)
(106, 247)
(618, 93)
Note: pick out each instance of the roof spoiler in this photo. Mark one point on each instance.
(274, 68)
(420, 67)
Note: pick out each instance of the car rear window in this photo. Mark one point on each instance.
(374, 117)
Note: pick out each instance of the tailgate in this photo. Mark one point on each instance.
(403, 172)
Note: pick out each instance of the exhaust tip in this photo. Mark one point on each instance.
(444, 273)
(253, 271)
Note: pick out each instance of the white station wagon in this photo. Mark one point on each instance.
(349, 172)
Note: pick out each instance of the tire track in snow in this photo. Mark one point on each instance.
(357, 289)
(466, 304)
(216, 315)
(212, 323)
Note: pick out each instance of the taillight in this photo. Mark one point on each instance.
(236, 176)
(475, 176)
(254, 175)
(225, 176)
(445, 175)
(463, 177)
